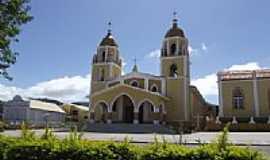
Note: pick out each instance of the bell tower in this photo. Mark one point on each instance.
(106, 64)
(175, 68)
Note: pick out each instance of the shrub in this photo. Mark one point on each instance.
(2, 126)
(48, 147)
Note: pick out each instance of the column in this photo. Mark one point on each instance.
(255, 95)
(136, 118)
(156, 115)
(220, 97)
(168, 48)
(146, 84)
(177, 46)
(92, 117)
(109, 117)
(163, 87)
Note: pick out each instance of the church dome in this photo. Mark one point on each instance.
(175, 31)
(108, 40)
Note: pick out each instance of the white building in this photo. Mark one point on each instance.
(34, 112)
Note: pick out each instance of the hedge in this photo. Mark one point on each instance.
(73, 147)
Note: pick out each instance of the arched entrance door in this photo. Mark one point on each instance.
(123, 108)
(146, 110)
(100, 112)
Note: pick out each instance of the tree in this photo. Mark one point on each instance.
(13, 14)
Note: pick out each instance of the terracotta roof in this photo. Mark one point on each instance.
(175, 31)
(108, 40)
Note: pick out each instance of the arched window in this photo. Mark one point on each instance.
(173, 49)
(154, 88)
(238, 98)
(103, 56)
(173, 71)
(134, 83)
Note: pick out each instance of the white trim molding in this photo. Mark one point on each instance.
(146, 100)
(99, 102)
(220, 98)
(255, 94)
(123, 94)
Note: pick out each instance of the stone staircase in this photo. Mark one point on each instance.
(128, 128)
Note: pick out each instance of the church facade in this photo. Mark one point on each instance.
(139, 97)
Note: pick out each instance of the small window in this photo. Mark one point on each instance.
(173, 49)
(238, 98)
(154, 88)
(134, 83)
(102, 75)
(173, 71)
(75, 112)
(85, 117)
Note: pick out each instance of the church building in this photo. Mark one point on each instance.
(139, 97)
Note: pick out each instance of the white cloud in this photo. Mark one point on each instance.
(193, 51)
(124, 63)
(204, 47)
(247, 66)
(153, 54)
(66, 89)
(207, 85)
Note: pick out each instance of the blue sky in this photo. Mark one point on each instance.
(56, 48)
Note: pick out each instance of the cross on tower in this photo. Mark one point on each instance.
(109, 27)
(135, 61)
(174, 16)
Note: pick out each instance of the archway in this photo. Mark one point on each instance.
(123, 109)
(100, 111)
(146, 111)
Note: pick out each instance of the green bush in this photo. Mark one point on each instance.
(48, 147)
(2, 126)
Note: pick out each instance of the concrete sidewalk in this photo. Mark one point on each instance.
(237, 138)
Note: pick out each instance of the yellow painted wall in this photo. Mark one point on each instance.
(175, 107)
(157, 82)
(227, 91)
(136, 95)
(166, 64)
(140, 81)
(263, 87)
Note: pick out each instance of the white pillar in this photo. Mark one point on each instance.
(255, 95)
(251, 121)
(220, 97)
(163, 86)
(186, 88)
(168, 48)
(156, 122)
(178, 46)
(217, 120)
(109, 121)
(234, 121)
(146, 84)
